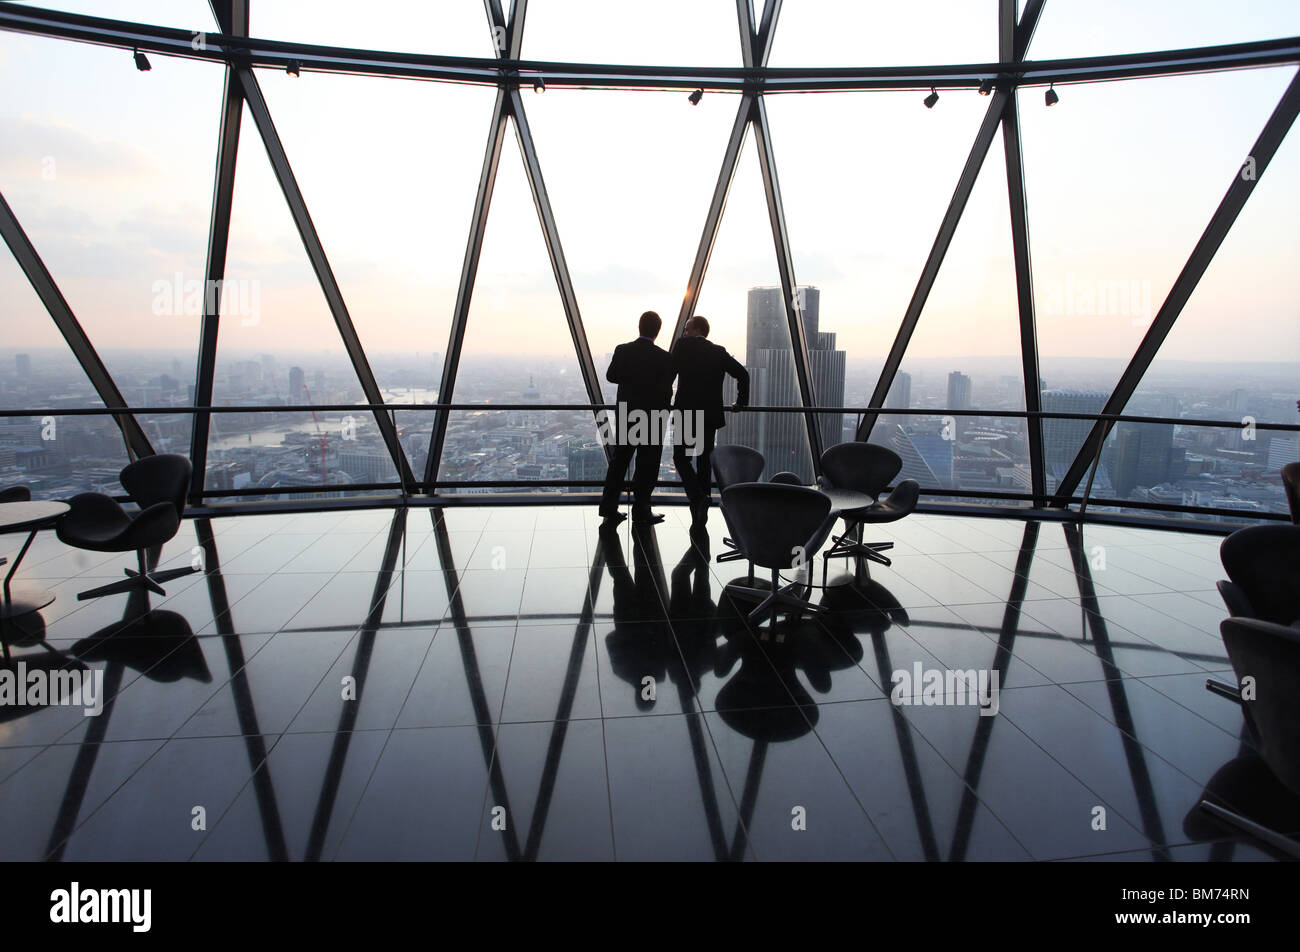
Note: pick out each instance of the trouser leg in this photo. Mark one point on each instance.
(645, 476)
(686, 469)
(704, 467)
(614, 479)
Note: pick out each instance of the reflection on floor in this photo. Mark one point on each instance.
(513, 683)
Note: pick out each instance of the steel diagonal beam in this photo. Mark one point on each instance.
(983, 139)
(551, 232)
(232, 15)
(789, 288)
(465, 290)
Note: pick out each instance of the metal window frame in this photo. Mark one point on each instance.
(232, 17)
(239, 53)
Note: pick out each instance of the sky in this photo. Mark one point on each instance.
(110, 172)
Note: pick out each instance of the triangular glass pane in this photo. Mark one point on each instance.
(666, 32)
(861, 219)
(1244, 377)
(396, 245)
(518, 350)
(965, 354)
(116, 200)
(1070, 28)
(834, 33)
(629, 249)
(54, 456)
(278, 344)
(1120, 186)
(444, 27)
(742, 298)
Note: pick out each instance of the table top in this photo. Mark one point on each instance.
(845, 499)
(15, 516)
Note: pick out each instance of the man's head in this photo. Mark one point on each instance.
(696, 327)
(649, 324)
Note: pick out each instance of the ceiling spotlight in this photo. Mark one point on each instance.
(696, 96)
(1050, 96)
(142, 62)
(293, 67)
(986, 87)
(539, 86)
(931, 99)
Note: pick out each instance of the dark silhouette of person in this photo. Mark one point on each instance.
(643, 373)
(700, 366)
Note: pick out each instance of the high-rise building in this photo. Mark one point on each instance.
(900, 392)
(297, 386)
(1062, 438)
(23, 364)
(586, 462)
(782, 438)
(927, 456)
(958, 391)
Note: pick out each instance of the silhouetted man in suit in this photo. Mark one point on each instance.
(700, 366)
(644, 376)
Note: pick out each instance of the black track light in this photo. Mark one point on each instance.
(931, 99)
(696, 96)
(293, 67)
(1050, 96)
(986, 87)
(142, 62)
(539, 86)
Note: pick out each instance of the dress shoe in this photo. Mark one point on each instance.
(613, 518)
(647, 519)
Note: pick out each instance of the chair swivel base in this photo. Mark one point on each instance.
(771, 600)
(136, 580)
(845, 545)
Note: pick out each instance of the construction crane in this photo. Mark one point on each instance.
(321, 439)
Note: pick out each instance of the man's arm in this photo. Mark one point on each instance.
(737, 370)
(615, 372)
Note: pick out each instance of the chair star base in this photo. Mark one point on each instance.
(847, 546)
(772, 599)
(136, 580)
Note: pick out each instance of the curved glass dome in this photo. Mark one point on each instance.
(1019, 243)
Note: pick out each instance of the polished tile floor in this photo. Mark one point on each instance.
(512, 683)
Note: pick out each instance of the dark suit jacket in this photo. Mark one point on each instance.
(700, 366)
(643, 372)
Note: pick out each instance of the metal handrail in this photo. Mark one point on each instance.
(591, 407)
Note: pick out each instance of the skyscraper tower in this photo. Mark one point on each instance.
(297, 386)
(958, 391)
(782, 438)
(898, 398)
(1062, 438)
